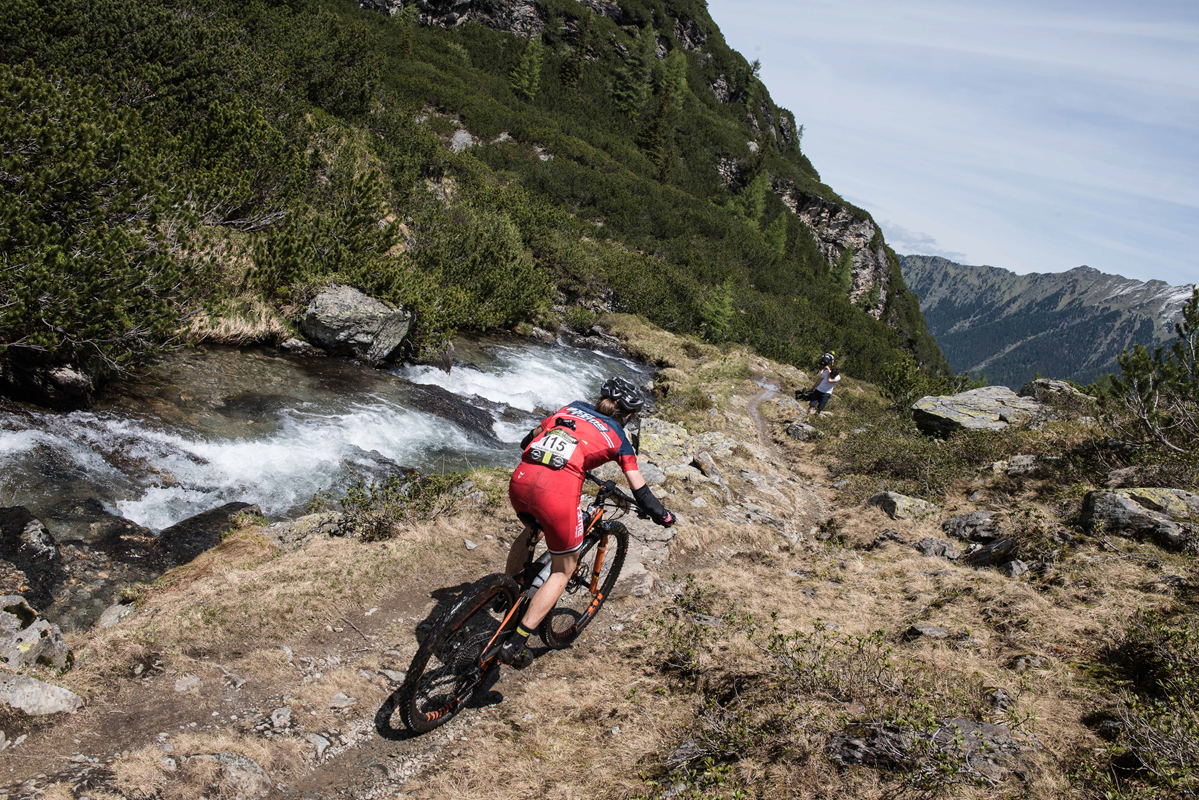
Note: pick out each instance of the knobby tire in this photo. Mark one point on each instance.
(578, 605)
(445, 670)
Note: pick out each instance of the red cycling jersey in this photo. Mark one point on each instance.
(549, 481)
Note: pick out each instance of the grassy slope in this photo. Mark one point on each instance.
(281, 134)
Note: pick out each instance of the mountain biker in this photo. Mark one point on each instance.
(546, 487)
(823, 390)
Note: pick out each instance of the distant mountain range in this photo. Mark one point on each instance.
(1068, 325)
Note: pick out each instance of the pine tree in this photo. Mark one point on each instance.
(656, 139)
(776, 234)
(631, 86)
(674, 78)
(525, 78)
(407, 22)
(750, 202)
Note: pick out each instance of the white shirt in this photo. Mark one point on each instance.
(826, 383)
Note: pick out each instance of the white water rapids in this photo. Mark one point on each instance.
(211, 426)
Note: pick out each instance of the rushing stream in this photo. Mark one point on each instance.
(214, 425)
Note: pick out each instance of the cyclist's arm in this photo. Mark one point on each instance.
(533, 434)
(645, 498)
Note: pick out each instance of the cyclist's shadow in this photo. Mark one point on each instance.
(484, 696)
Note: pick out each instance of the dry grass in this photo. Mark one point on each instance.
(151, 772)
(242, 321)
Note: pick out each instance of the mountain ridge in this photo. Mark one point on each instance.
(1011, 327)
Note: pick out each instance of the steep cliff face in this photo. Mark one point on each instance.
(838, 229)
(1069, 325)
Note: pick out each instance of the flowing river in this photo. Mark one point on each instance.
(214, 425)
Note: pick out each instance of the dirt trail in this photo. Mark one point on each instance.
(769, 389)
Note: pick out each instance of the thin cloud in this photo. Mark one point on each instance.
(909, 242)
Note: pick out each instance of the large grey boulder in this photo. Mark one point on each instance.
(293, 534)
(35, 698)
(343, 319)
(26, 640)
(899, 506)
(1046, 390)
(992, 408)
(1168, 517)
(64, 387)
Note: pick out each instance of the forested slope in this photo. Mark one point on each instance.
(198, 168)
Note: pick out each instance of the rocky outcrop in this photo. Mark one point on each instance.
(1167, 517)
(837, 228)
(992, 408)
(976, 526)
(343, 319)
(1045, 390)
(995, 554)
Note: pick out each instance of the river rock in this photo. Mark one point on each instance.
(63, 387)
(1168, 517)
(185, 540)
(30, 547)
(447, 405)
(291, 535)
(241, 778)
(343, 319)
(976, 526)
(899, 506)
(26, 641)
(35, 698)
(991, 408)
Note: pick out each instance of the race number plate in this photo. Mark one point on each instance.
(554, 450)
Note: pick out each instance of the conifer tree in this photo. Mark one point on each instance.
(631, 86)
(750, 202)
(407, 22)
(525, 78)
(656, 139)
(776, 234)
(674, 78)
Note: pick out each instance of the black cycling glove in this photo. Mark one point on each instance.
(525, 442)
(657, 512)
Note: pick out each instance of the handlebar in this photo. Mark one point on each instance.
(611, 488)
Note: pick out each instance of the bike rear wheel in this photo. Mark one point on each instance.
(446, 669)
(586, 592)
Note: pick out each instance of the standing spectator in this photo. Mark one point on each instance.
(824, 385)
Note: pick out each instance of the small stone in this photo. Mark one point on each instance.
(469, 544)
(618, 627)
(1014, 568)
(169, 764)
(975, 496)
(187, 683)
(699, 502)
(281, 717)
(342, 700)
(286, 652)
(395, 676)
(924, 629)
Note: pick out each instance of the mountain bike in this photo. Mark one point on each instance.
(462, 646)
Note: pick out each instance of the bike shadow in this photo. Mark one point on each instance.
(446, 597)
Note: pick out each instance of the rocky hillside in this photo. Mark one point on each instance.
(1068, 325)
(846, 609)
(480, 164)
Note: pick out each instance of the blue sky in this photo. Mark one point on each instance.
(1035, 136)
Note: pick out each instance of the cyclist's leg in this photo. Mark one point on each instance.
(520, 548)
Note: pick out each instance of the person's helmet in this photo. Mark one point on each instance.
(826, 359)
(622, 392)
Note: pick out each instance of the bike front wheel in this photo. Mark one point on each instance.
(591, 584)
(447, 667)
